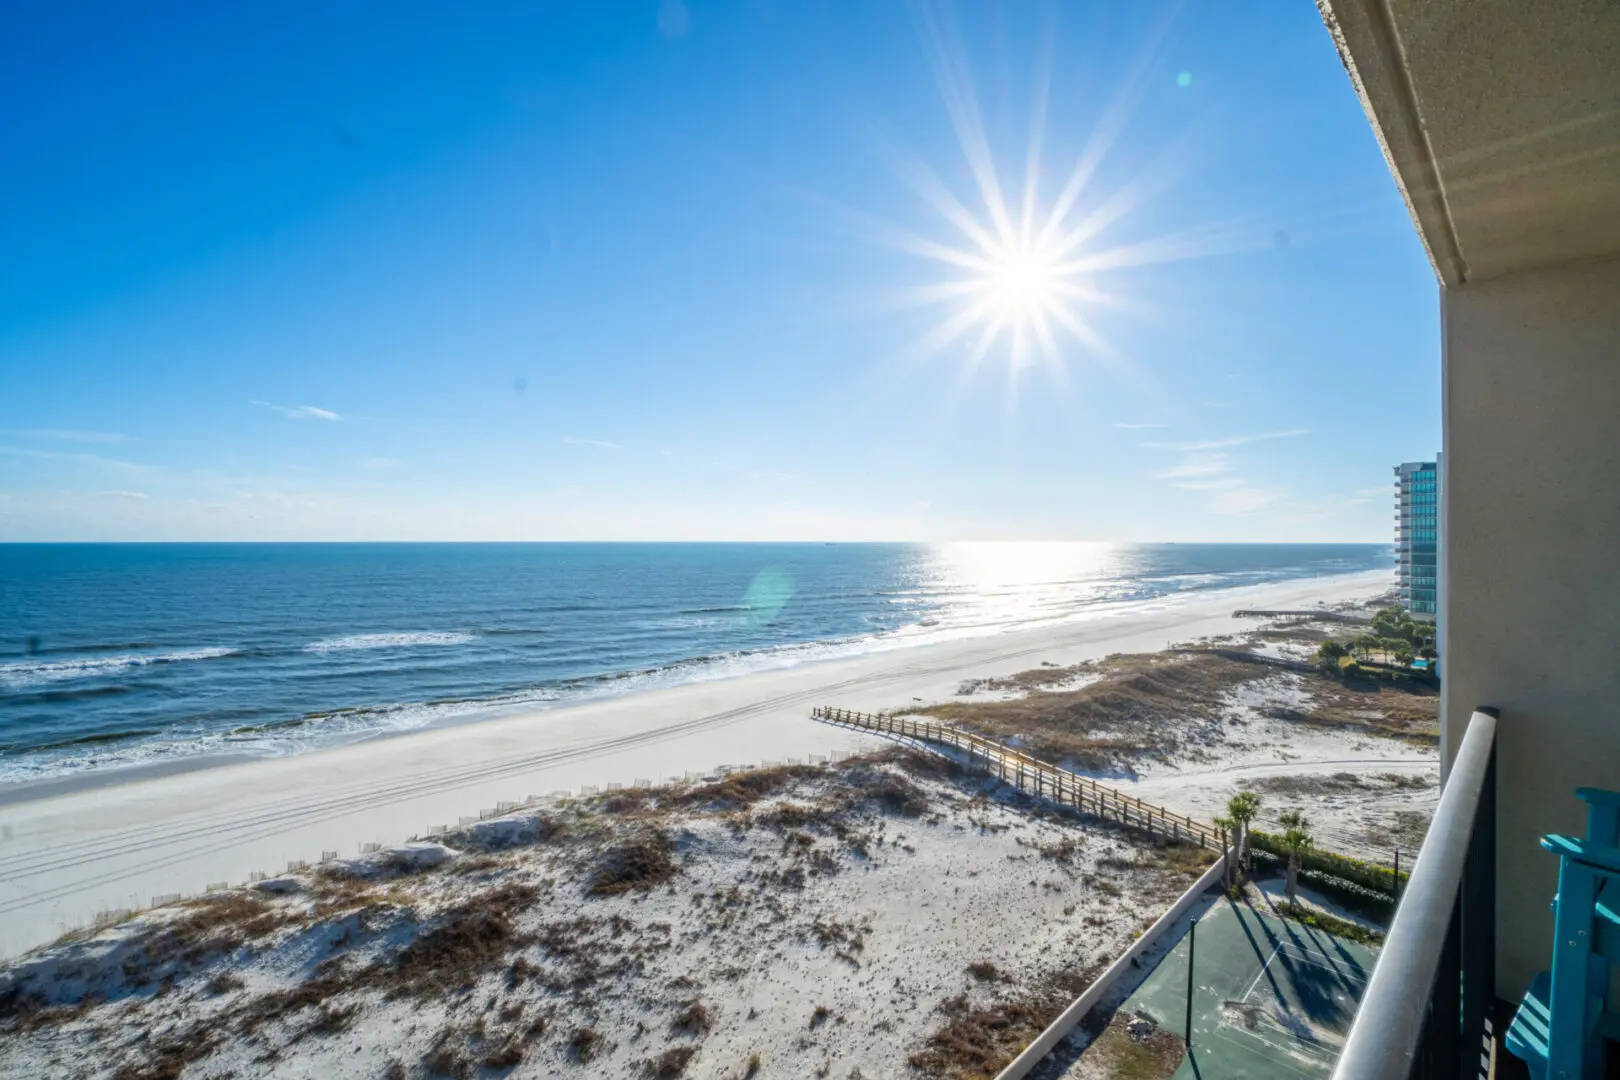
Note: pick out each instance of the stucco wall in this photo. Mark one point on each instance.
(1531, 601)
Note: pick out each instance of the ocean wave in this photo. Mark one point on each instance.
(37, 649)
(298, 734)
(23, 673)
(97, 739)
(390, 641)
(49, 691)
(116, 752)
(613, 659)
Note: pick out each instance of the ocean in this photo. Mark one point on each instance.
(114, 655)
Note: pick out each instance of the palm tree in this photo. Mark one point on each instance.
(1227, 827)
(1241, 808)
(1296, 841)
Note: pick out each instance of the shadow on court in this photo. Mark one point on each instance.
(1271, 998)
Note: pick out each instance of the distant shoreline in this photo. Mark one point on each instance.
(477, 713)
(138, 663)
(66, 855)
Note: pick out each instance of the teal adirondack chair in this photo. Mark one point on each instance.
(1564, 1018)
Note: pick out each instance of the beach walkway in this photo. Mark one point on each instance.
(1031, 774)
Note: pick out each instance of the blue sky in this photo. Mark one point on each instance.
(700, 270)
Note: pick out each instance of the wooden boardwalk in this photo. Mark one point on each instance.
(1032, 775)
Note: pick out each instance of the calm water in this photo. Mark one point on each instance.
(118, 654)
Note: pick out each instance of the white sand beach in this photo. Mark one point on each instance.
(766, 924)
(69, 853)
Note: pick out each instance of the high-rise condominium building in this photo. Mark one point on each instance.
(1417, 535)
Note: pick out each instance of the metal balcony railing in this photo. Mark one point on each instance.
(1425, 1008)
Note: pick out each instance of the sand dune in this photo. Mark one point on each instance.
(71, 851)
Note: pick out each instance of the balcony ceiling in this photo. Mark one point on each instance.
(1500, 120)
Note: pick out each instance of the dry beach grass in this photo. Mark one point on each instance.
(784, 922)
(1151, 706)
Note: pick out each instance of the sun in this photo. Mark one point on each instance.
(1022, 281)
(1027, 269)
(1020, 267)
(1021, 264)
(1019, 293)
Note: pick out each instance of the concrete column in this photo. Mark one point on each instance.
(1531, 593)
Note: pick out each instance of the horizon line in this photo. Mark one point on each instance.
(986, 540)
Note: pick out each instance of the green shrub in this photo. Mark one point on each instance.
(1350, 896)
(1348, 666)
(1373, 903)
(1331, 650)
(1365, 875)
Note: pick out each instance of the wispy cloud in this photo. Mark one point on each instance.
(572, 440)
(1241, 500)
(1140, 427)
(124, 494)
(78, 458)
(1196, 466)
(1205, 467)
(70, 435)
(301, 412)
(1229, 442)
(1370, 494)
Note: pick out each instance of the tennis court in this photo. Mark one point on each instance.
(1272, 998)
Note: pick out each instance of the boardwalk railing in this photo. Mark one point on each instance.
(1032, 775)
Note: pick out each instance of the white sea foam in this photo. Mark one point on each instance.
(348, 725)
(389, 641)
(23, 673)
